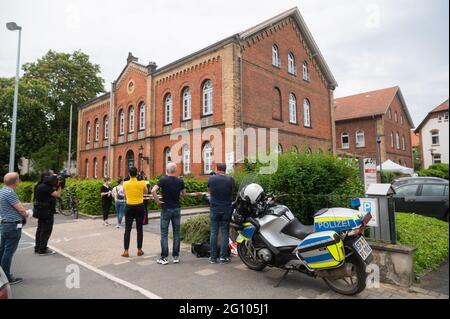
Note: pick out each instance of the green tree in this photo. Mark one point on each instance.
(32, 115)
(72, 80)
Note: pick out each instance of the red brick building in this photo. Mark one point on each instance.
(270, 76)
(361, 118)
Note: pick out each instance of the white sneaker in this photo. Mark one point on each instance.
(105, 223)
(162, 261)
(176, 260)
(117, 226)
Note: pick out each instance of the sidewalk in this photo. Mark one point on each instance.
(155, 214)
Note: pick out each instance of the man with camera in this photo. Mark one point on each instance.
(13, 216)
(46, 194)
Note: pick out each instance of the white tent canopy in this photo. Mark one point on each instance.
(390, 166)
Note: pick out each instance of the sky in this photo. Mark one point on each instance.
(368, 44)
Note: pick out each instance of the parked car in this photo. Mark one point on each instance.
(424, 198)
(5, 289)
(418, 180)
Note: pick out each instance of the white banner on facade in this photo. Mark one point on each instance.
(370, 172)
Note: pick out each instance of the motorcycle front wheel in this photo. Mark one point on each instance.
(353, 284)
(246, 253)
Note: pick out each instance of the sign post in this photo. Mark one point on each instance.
(368, 171)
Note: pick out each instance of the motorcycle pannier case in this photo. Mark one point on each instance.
(322, 250)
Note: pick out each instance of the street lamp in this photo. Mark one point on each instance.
(12, 26)
(379, 156)
(142, 157)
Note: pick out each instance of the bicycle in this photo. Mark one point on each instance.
(72, 207)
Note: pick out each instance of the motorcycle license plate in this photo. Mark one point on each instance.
(362, 248)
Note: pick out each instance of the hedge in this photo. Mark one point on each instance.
(436, 170)
(430, 237)
(24, 191)
(87, 192)
(311, 181)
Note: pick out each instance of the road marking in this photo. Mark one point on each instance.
(206, 272)
(121, 263)
(146, 262)
(153, 256)
(102, 273)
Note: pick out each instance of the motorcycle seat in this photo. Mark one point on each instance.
(296, 229)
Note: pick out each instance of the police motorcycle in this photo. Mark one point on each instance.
(333, 249)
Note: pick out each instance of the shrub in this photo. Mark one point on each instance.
(195, 229)
(430, 237)
(313, 181)
(436, 170)
(24, 191)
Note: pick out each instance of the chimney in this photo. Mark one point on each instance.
(131, 58)
(151, 67)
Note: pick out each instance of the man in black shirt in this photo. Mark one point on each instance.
(45, 202)
(220, 187)
(172, 187)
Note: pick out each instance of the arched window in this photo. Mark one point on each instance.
(292, 109)
(131, 119)
(396, 117)
(207, 98)
(119, 166)
(97, 130)
(305, 71)
(187, 104)
(276, 104)
(345, 141)
(105, 128)
(403, 143)
(294, 149)
(392, 139)
(167, 157)
(86, 165)
(142, 116)
(168, 109)
(360, 139)
(390, 113)
(279, 149)
(95, 167)
(397, 140)
(207, 158)
(88, 132)
(130, 160)
(186, 159)
(306, 113)
(275, 55)
(121, 122)
(291, 63)
(105, 167)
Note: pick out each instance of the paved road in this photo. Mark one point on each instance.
(45, 278)
(100, 247)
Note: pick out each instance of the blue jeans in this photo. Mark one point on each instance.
(168, 215)
(120, 207)
(220, 217)
(10, 237)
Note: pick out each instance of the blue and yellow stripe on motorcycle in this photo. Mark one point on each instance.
(246, 233)
(333, 256)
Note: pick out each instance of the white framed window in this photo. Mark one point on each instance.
(187, 104)
(88, 132)
(131, 120)
(437, 159)
(403, 143)
(142, 116)
(291, 63)
(168, 109)
(292, 109)
(279, 149)
(305, 71)
(106, 128)
(186, 159)
(360, 139)
(397, 140)
(207, 158)
(105, 167)
(275, 55)
(345, 141)
(306, 113)
(207, 98)
(446, 117)
(121, 122)
(392, 140)
(97, 130)
(167, 157)
(294, 149)
(87, 168)
(95, 168)
(435, 137)
(390, 114)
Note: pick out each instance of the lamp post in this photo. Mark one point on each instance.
(12, 26)
(379, 156)
(142, 158)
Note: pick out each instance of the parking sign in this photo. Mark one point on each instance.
(370, 205)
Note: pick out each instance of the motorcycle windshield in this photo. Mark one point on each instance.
(247, 180)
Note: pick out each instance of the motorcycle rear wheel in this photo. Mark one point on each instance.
(246, 255)
(357, 281)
